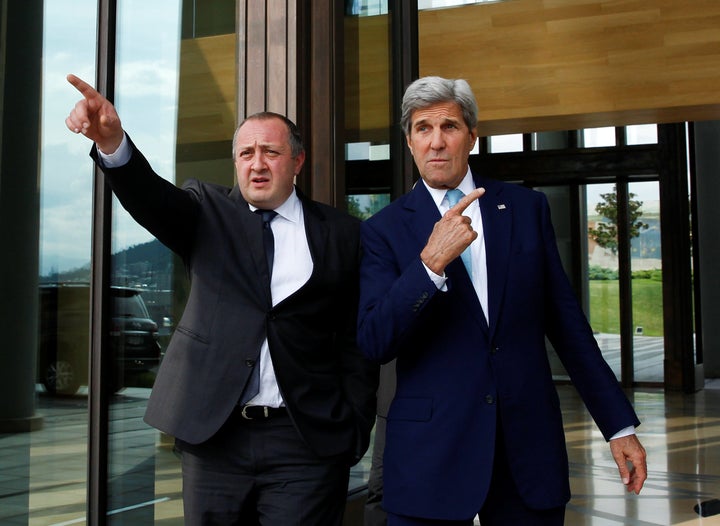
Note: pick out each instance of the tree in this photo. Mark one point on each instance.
(605, 232)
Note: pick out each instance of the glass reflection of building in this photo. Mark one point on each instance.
(182, 74)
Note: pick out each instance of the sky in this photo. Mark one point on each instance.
(148, 47)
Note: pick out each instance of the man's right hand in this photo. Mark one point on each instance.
(450, 236)
(95, 117)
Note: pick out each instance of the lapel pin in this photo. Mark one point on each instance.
(501, 206)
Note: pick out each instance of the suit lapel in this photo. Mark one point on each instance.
(496, 213)
(250, 227)
(317, 233)
(422, 213)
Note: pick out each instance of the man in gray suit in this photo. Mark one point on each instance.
(262, 385)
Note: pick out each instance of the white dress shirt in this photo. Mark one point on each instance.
(292, 268)
(477, 247)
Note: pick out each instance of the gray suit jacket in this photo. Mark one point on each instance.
(326, 383)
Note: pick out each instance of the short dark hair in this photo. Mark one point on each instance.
(294, 137)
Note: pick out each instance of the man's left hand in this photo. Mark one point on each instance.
(629, 449)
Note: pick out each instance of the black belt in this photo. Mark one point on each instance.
(260, 412)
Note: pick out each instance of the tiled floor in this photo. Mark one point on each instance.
(681, 434)
(43, 474)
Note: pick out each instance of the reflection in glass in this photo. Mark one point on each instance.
(646, 263)
(363, 206)
(368, 111)
(57, 485)
(604, 308)
(144, 474)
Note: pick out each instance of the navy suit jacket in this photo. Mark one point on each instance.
(458, 375)
(327, 384)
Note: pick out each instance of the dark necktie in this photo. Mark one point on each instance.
(253, 385)
(453, 197)
(268, 239)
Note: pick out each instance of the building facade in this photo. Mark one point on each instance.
(607, 107)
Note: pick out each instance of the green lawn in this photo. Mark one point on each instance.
(647, 306)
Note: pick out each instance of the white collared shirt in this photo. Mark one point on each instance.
(292, 268)
(477, 247)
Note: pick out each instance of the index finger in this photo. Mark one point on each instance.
(463, 203)
(83, 87)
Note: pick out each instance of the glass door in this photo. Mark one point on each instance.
(647, 281)
(143, 474)
(631, 336)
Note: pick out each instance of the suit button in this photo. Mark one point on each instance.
(489, 399)
(250, 363)
(495, 350)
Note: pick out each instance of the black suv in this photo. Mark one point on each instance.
(64, 337)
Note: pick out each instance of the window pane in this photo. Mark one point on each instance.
(144, 475)
(365, 205)
(505, 143)
(58, 452)
(604, 291)
(368, 110)
(594, 137)
(642, 134)
(646, 263)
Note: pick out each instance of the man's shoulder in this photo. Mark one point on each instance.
(204, 188)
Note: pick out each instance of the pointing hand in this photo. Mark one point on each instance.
(95, 117)
(451, 235)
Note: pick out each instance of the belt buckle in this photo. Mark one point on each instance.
(244, 414)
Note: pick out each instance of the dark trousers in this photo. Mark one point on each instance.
(260, 472)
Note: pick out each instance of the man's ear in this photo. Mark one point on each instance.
(299, 161)
(474, 137)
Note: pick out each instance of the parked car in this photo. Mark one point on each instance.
(63, 350)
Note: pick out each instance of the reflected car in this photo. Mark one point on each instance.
(63, 349)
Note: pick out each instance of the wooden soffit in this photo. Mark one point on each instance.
(565, 64)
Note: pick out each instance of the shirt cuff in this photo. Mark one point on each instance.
(117, 158)
(630, 430)
(439, 281)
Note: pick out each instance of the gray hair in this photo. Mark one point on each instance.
(294, 137)
(426, 91)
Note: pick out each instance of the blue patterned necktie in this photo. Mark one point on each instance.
(252, 388)
(453, 197)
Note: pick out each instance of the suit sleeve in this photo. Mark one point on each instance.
(165, 210)
(393, 296)
(570, 333)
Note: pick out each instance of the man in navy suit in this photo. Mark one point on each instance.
(462, 296)
(262, 384)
